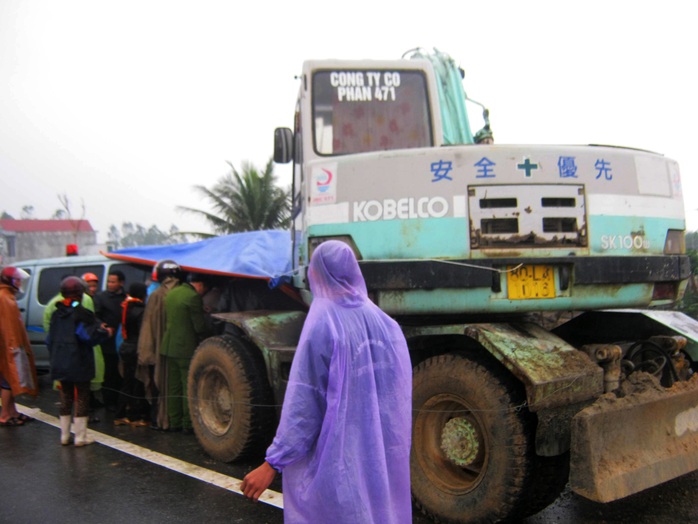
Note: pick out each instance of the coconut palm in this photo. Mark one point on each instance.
(246, 201)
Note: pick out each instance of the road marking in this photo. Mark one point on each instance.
(273, 498)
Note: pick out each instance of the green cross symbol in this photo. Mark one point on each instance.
(528, 166)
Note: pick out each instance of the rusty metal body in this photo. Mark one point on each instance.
(621, 446)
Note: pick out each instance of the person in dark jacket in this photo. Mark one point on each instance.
(108, 310)
(131, 407)
(73, 332)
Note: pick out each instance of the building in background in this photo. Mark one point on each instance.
(28, 239)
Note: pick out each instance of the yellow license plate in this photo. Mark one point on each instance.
(528, 282)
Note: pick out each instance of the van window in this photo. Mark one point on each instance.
(50, 279)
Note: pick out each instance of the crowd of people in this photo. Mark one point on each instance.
(343, 440)
(127, 351)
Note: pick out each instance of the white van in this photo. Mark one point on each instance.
(46, 275)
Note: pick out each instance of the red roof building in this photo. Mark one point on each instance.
(46, 226)
(28, 239)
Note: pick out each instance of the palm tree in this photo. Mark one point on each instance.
(247, 201)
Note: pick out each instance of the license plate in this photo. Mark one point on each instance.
(528, 282)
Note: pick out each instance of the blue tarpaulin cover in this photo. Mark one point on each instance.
(252, 254)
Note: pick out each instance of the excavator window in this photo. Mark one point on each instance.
(356, 111)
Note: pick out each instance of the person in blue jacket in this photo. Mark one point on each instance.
(343, 441)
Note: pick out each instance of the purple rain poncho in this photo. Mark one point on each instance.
(343, 442)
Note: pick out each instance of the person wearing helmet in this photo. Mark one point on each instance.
(17, 371)
(73, 332)
(185, 328)
(96, 383)
(14, 277)
(92, 282)
(151, 368)
(168, 268)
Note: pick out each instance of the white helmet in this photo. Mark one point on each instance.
(14, 277)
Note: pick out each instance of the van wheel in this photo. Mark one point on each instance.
(230, 400)
(471, 446)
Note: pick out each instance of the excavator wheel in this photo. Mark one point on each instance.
(230, 400)
(472, 442)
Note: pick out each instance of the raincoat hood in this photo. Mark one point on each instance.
(334, 273)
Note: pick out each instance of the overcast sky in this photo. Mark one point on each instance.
(126, 105)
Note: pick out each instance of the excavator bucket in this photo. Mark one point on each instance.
(621, 446)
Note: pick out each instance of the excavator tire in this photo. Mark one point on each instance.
(472, 442)
(230, 400)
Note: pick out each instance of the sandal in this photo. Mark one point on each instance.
(25, 418)
(12, 423)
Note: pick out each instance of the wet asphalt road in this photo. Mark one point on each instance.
(44, 482)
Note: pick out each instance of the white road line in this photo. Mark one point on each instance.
(270, 497)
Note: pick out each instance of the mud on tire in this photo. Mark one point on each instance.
(471, 448)
(230, 400)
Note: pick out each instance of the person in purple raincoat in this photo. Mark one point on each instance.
(343, 442)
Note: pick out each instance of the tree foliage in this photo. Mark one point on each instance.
(27, 212)
(248, 200)
(691, 241)
(131, 235)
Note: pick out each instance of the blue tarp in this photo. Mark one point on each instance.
(254, 254)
